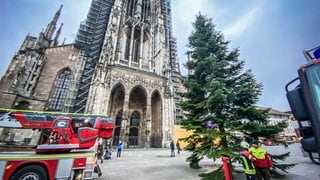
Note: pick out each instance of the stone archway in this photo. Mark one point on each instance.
(116, 109)
(137, 116)
(116, 100)
(156, 120)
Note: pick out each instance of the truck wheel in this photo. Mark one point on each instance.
(32, 172)
(315, 158)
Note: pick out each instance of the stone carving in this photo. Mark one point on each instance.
(129, 79)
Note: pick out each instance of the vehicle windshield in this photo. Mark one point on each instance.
(313, 74)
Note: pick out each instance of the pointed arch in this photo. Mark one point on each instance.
(137, 115)
(60, 91)
(116, 99)
(156, 119)
(138, 98)
(116, 109)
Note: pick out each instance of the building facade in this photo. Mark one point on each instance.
(123, 64)
(275, 116)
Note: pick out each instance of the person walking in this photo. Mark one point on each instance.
(99, 152)
(119, 148)
(247, 161)
(178, 147)
(263, 163)
(172, 148)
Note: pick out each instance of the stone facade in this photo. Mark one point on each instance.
(133, 81)
(139, 103)
(37, 88)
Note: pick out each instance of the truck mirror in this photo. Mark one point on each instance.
(297, 104)
(308, 144)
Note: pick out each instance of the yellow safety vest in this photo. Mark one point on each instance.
(248, 166)
(258, 153)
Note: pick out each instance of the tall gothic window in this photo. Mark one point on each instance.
(60, 91)
(136, 45)
(127, 50)
(145, 10)
(131, 7)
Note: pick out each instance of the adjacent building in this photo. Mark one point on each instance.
(276, 116)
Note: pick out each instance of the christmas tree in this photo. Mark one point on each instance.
(220, 98)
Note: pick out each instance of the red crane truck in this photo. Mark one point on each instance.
(304, 101)
(61, 145)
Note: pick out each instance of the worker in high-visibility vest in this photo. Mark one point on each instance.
(247, 161)
(262, 162)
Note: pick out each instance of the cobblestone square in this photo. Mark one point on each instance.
(156, 164)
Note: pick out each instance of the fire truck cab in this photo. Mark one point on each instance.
(42, 145)
(304, 101)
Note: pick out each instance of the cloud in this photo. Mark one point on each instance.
(184, 10)
(241, 24)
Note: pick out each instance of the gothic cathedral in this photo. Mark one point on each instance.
(123, 64)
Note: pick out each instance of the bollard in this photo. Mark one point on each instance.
(226, 168)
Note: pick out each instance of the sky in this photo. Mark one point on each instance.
(270, 36)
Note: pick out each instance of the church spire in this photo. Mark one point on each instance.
(55, 40)
(52, 25)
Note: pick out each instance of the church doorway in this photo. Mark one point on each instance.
(134, 128)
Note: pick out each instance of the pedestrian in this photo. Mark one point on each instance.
(108, 154)
(263, 163)
(247, 161)
(178, 147)
(286, 146)
(119, 148)
(172, 148)
(128, 144)
(99, 152)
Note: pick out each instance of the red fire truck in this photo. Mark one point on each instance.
(42, 145)
(304, 101)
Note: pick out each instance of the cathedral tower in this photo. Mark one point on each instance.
(132, 78)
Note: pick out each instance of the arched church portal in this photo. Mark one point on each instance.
(137, 128)
(116, 109)
(156, 120)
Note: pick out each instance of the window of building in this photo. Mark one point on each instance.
(127, 50)
(60, 90)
